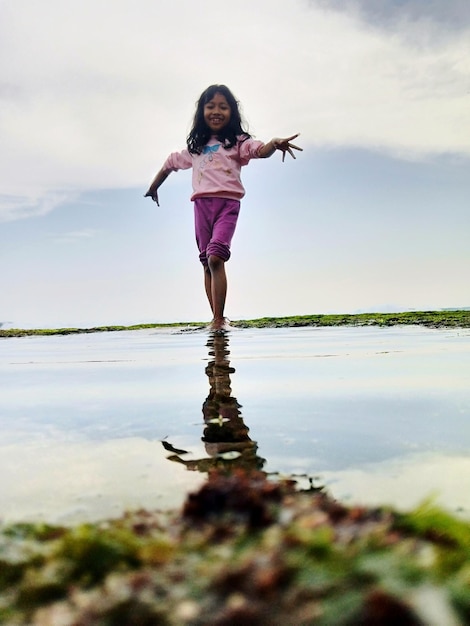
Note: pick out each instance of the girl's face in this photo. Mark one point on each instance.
(217, 113)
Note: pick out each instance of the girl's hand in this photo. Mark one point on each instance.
(155, 184)
(285, 145)
(152, 193)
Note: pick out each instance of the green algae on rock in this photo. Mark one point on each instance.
(431, 319)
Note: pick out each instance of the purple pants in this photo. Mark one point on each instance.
(215, 220)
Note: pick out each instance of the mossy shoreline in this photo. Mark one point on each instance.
(430, 319)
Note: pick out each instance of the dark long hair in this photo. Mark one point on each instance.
(201, 133)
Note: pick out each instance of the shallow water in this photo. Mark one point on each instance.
(375, 415)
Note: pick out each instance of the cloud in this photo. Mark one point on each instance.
(95, 94)
(74, 236)
(453, 14)
(39, 202)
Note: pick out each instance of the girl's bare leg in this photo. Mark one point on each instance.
(218, 289)
(208, 286)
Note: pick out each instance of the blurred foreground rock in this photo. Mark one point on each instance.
(243, 551)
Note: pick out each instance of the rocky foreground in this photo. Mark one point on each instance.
(243, 551)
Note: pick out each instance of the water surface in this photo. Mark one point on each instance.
(91, 425)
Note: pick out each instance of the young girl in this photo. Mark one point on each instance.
(217, 148)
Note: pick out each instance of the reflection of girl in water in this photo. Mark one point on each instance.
(225, 436)
(225, 431)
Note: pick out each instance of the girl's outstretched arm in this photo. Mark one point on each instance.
(284, 145)
(155, 184)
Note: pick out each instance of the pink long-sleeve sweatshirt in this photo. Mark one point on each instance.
(216, 171)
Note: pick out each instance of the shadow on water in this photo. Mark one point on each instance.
(225, 436)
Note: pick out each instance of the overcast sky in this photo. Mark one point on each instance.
(373, 215)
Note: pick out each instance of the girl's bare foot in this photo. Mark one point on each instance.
(220, 324)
